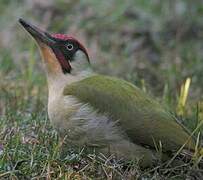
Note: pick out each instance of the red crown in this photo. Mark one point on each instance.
(62, 36)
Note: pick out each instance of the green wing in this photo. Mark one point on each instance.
(144, 120)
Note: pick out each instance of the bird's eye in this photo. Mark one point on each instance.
(69, 47)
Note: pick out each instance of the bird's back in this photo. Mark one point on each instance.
(143, 119)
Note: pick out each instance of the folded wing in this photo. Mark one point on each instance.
(143, 119)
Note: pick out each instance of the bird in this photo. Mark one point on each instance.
(103, 112)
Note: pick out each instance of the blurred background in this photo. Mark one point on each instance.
(154, 44)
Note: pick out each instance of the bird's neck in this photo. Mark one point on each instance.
(57, 82)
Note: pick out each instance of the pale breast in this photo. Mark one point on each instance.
(84, 126)
(60, 110)
(81, 123)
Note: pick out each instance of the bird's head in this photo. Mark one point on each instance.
(62, 53)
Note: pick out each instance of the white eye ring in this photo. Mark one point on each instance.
(69, 47)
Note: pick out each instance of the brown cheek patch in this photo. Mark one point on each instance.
(50, 59)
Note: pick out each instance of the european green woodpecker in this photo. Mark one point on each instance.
(99, 111)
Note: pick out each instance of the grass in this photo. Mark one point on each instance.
(140, 41)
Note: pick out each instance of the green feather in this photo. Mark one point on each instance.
(144, 120)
